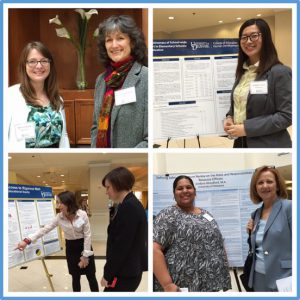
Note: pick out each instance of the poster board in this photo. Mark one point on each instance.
(29, 209)
(226, 196)
(192, 86)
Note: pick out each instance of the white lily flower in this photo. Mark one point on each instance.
(96, 33)
(91, 12)
(63, 32)
(55, 20)
(81, 12)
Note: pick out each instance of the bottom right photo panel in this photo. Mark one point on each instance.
(223, 222)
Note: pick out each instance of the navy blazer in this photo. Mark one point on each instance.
(269, 115)
(126, 251)
(277, 243)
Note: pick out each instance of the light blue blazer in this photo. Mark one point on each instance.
(277, 243)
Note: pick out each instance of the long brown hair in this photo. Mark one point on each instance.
(268, 55)
(50, 85)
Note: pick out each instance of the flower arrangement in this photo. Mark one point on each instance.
(80, 43)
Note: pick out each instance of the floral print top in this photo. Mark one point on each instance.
(48, 127)
(193, 249)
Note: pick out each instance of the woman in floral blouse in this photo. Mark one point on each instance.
(35, 109)
(188, 250)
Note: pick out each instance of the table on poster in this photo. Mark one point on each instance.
(29, 209)
(226, 196)
(192, 86)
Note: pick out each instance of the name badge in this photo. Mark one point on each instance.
(25, 131)
(208, 217)
(259, 87)
(125, 96)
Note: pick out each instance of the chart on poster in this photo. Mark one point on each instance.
(226, 196)
(29, 209)
(192, 86)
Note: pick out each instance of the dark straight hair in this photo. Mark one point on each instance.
(268, 55)
(68, 199)
(182, 177)
(120, 178)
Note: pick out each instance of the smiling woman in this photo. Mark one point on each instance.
(121, 93)
(188, 250)
(36, 115)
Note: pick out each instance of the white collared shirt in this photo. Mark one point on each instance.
(77, 229)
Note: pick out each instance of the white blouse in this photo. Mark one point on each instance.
(77, 229)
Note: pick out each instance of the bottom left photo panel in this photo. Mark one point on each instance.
(77, 222)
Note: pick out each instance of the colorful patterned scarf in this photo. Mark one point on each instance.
(114, 79)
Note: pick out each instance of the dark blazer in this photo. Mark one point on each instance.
(129, 122)
(269, 116)
(126, 252)
(277, 242)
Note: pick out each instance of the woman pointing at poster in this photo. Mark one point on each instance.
(76, 227)
(261, 99)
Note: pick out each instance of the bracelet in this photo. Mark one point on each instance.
(27, 241)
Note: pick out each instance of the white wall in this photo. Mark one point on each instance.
(209, 162)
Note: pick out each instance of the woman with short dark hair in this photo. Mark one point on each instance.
(271, 230)
(121, 92)
(261, 99)
(76, 227)
(36, 114)
(126, 250)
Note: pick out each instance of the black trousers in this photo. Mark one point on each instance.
(240, 142)
(91, 277)
(125, 284)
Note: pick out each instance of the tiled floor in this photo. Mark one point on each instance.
(34, 279)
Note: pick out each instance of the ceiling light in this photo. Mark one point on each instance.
(259, 15)
(171, 18)
(38, 176)
(220, 21)
(288, 181)
(239, 19)
(62, 175)
(9, 157)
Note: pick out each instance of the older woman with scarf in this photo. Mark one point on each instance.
(121, 92)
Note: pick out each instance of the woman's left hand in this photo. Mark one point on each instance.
(104, 282)
(237, 130)
(84, 261)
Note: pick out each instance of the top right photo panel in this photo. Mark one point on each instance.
(222, 78)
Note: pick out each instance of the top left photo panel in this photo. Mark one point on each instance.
(76, 78)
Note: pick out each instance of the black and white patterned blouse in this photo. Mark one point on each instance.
(193, 249)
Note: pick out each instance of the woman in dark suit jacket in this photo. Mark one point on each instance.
(126, 252)
(271, 230)
(261, 99)
(123, 51)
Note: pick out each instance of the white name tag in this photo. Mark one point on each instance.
(184, 289)
(208, 217)
(78, 223)
(125, 96)
(259, 87)
(25, 131)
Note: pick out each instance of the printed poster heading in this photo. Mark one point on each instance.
(28, 191)
(195, 47)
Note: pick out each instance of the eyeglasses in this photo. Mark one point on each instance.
(253, 37)
(33, 63)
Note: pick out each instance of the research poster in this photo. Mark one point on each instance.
(29, 209)
(226, 196)
(192, 86)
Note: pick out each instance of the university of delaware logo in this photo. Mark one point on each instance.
(199, 45)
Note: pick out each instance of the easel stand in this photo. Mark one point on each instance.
(47, 274)
(184, 145)
(237, 278)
